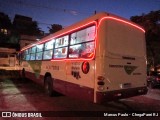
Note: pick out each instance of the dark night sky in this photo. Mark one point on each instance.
(67, 12)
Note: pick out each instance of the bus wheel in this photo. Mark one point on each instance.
(48, 86)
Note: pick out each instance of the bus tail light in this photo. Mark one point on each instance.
(100, 78)
(100, 83)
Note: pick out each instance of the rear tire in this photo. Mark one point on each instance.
(48, 85)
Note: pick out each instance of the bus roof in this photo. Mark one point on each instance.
(92, 18)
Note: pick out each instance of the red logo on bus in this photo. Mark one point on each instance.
(85, 67)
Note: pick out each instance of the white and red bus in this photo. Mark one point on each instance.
(98, 59)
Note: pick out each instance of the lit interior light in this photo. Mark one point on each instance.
(91, 55)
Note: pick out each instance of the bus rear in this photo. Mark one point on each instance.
(120, 60)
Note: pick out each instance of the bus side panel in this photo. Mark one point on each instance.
(57, 69)
(75, 90)
(77, 84)
(33, 71)
(80, 85)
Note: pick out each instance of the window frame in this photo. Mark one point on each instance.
(61, 47)
(42, 51)
(45, 50)
(84, 42)
(67, 46)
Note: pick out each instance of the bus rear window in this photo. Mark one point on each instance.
(84, 35)
(84, 50)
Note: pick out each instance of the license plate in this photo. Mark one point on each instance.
(125, 85)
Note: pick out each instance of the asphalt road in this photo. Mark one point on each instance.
(17, 95)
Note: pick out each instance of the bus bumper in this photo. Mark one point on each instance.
(119, 94)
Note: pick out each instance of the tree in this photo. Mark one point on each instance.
(5, 27)
(5, 21)
(151, 24)
(54, 28)
(34, 29)
(25, 25)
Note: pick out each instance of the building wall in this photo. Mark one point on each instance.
(26, 40)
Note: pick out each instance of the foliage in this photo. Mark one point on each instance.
(5, 24)
(54, 28)
(5, 21)
(21, 25)
(24, 25)
(151, 24)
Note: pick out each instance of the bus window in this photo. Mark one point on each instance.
(61, 42)
(33, 55)
(27, 57)
(40, 47)
(26, 52)
(23, 56)
(84, 50)
(39, 56)
(49, 45)
(60, 53)
(47, 54)
(29, 50)
(39, 52)
(33, 49)
(84, 35)
(48, 50)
